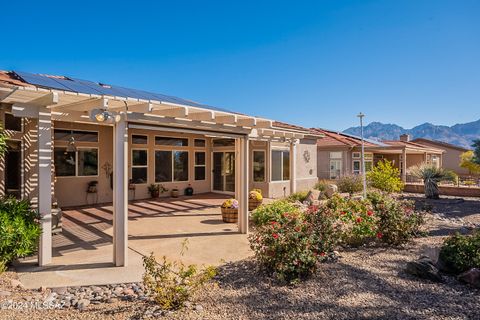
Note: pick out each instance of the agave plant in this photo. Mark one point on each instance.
(431, 176)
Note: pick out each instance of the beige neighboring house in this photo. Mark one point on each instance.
(451, 156)
(66, 134)
(339, 154)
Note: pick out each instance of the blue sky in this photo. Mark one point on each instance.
(313, 63)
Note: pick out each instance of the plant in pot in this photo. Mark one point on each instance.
(255, 199)
(174, 193)
(156, 189)
(230, 211)
(92, 187)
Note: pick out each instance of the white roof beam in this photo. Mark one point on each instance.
(246, 121)
(225, 118)
(264, 123)
(84, 105)
(201, 114)
(170, 110)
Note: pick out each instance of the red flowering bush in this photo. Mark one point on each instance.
(398, 222)
(292, 246)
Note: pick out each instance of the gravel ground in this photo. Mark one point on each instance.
(366, 283)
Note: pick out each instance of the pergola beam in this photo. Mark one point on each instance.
(169, 111)
(226, 118)
(246, 121)
(84, 105)
(201, 114)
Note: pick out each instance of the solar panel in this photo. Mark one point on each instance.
(90, 87)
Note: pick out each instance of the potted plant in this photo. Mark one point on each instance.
(255, 199)
(230, 211)
(154, 190)
(92, 187)
(189, 190)
(174, 193)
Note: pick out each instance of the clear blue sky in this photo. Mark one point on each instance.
(314, 63)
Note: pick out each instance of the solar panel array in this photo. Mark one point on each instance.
(90, 87)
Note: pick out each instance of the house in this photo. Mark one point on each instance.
(339, 154)
(79, 142)
(451, 156)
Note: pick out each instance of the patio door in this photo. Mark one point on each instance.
(223, 173)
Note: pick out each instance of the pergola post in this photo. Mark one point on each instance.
(293, 166)
(404, 165)
(120, 193)
(242, 183)
(45, 185)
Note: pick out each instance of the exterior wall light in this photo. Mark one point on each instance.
(101, 115)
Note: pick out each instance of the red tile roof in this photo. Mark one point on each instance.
(439, 144)
(333, 138)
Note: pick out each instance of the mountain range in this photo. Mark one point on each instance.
(460, 134)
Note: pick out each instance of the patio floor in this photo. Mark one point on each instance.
(82, 253)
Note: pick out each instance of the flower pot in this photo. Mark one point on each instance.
(174, 193)
(230, 215)
(253, 204)
(155, 194)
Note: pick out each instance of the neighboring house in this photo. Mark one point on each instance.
(451, 157)
(339, 154)
(68, 133)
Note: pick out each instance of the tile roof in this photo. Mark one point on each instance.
(439, 143)
(284, 125)
(410, 144)
(333, 138)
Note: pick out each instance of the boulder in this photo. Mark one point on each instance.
(472, 277)
(82, 304)
(330, 190)
(424, 268)
(313, 196)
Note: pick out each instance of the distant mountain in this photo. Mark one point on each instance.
(459, 134)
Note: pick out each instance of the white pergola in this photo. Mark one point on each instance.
(49, 105)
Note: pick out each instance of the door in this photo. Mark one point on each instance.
(13, 173)
(223, 172)
(335, 168)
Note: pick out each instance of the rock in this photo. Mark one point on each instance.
(42, 289)
(330, 190)
(16, 284)
(60, 290)
(472, 277)
(198, 307)
(82, 304)
(425, 269)
(128, 292)
(5, 293)
(312, 196)
(432, 253)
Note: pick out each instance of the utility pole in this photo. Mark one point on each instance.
(364, 177)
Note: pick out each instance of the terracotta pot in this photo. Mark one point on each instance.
(230, 215)
(253, 204)
(174, 193)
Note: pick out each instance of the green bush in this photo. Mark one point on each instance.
(398, 221)
(292, 246)
(298, 196)
(273, 211)
(461, 252)
(171, 284)
(321, 185)
(19, 229)
(384, 176)
(350, 184)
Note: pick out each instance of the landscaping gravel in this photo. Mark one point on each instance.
(365, 283)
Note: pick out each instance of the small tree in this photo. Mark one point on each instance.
(431, 176)
(467, 162)
(386, 177)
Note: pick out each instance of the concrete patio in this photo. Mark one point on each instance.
(83, 251)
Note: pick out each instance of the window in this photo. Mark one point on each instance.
(335, 168)
(280, 165)
(81, 163)
(171, 164)
(357, 166)
(258, 166)
(224, 142)
(336, 155)
(200, 165)
(13, 123)
(169, 141)
(139, 139)
(78, 135)
(139, 166)
(356, 155)
(199, 143)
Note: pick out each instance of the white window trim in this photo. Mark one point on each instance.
(173, 167)
(271, 165)
(173, 137)
(76, 162)
(198, 165)
(138, 166)
(264, 165)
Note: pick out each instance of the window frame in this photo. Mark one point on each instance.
(139, 144)
(138, 166)
(172, 168)
(264, 165)
(283, 151)
(199, 165)
(76, 162)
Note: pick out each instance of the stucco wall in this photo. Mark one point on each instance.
(306, 164)
(450, 159)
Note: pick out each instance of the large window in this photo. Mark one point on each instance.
(169, 141)
(171, 164)
(139, 166)
(280, 165)
(200, 165)
(258, 166)
(82, 162)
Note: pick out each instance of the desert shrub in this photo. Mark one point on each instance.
(398, 222)
(321, 185)
(19, 229)
(350, 184)
(273, 211)
(171, 284)
(298, 196)
(384, 176)
(292, 247)
(431, 176)
(357, 218)
(461, 252)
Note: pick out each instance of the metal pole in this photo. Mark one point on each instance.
(364, 177)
